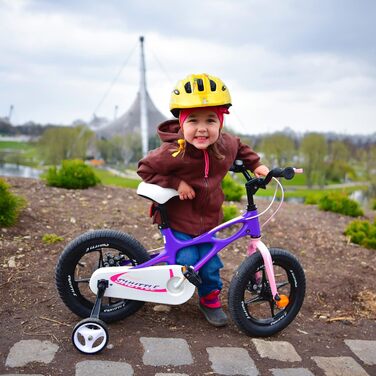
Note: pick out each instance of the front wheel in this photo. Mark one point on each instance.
(250, 299)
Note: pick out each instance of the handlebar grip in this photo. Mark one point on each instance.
(288, 173)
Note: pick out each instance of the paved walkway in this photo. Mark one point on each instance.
(166, 354)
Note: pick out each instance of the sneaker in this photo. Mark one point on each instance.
(215, 316)
(211, 307)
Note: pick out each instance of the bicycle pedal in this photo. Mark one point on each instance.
(191, 275)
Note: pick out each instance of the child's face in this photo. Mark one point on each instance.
(201, 128)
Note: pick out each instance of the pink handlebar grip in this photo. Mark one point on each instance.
(298, 170)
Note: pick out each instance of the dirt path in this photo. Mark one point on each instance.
(341, 283)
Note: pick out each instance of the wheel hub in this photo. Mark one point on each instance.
(111, 260)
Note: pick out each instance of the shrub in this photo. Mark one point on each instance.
(73, 174)
(232, 190)
(312, 198)
(230, 212)
(51, 238)
(362, 232)
(340, 203)
(10, 205)
(374, 205)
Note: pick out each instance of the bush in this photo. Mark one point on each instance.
(73, 174)
(229, 212)
(374, 205)
(232, 190)
(340, 203)
(10, 205)
(362, 232)
(51, 238)
(312, 198)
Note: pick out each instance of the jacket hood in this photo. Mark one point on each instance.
(170, 131)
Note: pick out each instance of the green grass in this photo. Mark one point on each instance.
(23, 153)
(304, 192)
(297, 190)
(15, 145)
(108, 178)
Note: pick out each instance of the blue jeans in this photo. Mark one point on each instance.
(209, 273)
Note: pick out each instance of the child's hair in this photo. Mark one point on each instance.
(180, 150)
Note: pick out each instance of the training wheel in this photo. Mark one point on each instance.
(90, 336)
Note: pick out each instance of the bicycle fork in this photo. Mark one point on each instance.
(254, 245)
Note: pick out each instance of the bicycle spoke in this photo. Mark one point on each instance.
(271, 303)
(84, 280)
(282, 284)
(256, 299)
(100, 260)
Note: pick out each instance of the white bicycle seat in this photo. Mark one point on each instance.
(156, 193)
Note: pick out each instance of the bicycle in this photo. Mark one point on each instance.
(265, 293)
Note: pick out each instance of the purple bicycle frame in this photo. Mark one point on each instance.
(251, 227)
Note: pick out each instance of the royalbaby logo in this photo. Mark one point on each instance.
(121, 279)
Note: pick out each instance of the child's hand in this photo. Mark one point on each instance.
(261, 171)
(186, 191)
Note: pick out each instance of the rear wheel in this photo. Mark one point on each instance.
(251, 303)
(85, 254)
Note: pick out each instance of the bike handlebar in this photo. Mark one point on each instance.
(288, 173)
(277, 172)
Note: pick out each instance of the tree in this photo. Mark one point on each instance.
(338, 166)
(57, 144)
(314, 150)
(121, 149)
(278, 148)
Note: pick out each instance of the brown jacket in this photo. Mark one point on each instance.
(204, 212)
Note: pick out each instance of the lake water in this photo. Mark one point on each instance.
(9, 169)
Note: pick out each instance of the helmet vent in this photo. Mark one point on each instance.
(200, 84)
(213, 85)
(188, 87)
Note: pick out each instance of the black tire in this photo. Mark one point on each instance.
(82, 257)
(250, 301)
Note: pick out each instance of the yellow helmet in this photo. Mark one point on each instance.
(199, 90)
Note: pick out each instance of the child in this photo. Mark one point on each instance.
(193, 159)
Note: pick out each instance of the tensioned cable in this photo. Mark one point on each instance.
(161, 66)
(114, 80)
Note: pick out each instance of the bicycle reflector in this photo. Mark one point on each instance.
(283, 301)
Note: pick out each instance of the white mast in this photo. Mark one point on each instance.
(143, 107)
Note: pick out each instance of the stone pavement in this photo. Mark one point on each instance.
(167, 354)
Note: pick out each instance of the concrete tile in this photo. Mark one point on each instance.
(100, 368)
(278, 350)
(364, 350)
(166, 351)
(339, 366)
(291, 372)
(231, 361)
(33, 350)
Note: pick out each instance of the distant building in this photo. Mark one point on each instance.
(130, 122)
(142, 117)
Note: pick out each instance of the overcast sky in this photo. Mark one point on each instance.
(305, 64)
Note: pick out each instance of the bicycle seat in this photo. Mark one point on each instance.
(156, 193)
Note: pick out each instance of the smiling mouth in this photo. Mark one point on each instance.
(201, 138)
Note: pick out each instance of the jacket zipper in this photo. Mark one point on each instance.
(206, 183)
